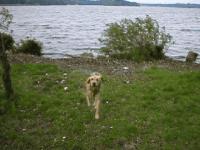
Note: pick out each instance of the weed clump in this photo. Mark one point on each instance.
(30, 46)
(7, 40)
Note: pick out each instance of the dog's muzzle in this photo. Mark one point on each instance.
(94, 84)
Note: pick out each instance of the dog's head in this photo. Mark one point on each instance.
(94, 80)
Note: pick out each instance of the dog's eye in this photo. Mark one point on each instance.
(97, 79)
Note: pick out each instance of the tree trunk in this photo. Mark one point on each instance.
(6, 71)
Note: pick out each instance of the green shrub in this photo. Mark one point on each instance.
(138, 40)
(8, 41)
(30, 46)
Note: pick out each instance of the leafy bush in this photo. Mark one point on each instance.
(141, 39)
(8, 41)
(30, 46)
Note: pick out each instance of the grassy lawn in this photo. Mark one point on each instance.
(158, 109)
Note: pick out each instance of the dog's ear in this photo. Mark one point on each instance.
(100, 76)
(88, 81)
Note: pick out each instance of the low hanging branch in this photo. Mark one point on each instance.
(5, 20)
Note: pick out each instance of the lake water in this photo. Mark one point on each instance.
(76, 29)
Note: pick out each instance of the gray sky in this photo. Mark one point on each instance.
(167, 1)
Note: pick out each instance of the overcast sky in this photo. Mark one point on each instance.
(167, 1)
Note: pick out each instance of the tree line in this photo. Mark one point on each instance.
(70, 2)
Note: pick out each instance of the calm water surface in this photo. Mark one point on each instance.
(76, 29)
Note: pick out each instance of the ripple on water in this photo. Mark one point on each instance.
(76, 29)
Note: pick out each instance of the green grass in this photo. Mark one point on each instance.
(159, 109)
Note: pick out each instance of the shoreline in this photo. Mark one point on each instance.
(175, 58)
(104, 65)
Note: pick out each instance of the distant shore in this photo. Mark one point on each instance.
(177, 5)
(139, 5)
(76, 2)
(64, 5)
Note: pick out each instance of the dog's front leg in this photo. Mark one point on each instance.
(97, 106)
(88, 97)
(94, 104)
(97, 109)
(96, 98)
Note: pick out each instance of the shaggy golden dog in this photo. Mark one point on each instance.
(93, 85)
